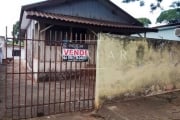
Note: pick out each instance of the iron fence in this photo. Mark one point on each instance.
(41, 79)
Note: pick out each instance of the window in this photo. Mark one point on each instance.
(53, 37)
(58, 34)
(16, 53)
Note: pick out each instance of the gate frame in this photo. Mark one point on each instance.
(89, 73)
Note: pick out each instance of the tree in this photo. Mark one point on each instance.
(169, 16)
(15, 31)
(154, 6)
(145, 21)
(175, 4)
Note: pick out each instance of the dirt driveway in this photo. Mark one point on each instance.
(26, 98)
(151, 108)
(158, 107)
(2, 78)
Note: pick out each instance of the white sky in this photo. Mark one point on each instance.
(10, 11)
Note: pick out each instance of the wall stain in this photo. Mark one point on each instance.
(151, 66)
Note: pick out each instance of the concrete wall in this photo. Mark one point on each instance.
(130, 67)
(9, 52)
(1, 48)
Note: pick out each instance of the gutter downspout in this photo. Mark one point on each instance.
(139, 35)
(46, 28)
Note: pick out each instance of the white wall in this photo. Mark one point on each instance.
(1, 49)
(1, 56)
(9, 52)
(167, 34)
(30, 29)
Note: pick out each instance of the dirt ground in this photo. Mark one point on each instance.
(159, 107)
(26, 98)
(2, 78)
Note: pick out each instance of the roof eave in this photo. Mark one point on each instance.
(32, 6)
(106, 27)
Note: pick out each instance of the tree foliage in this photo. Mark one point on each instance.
(145, 21)
(155, 5)
(175, 4)
(169, 16)
(15, 31)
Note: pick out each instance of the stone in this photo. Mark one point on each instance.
(153, 88)
(157, 88)
(148, 91)
(133, 94)
(127, 94)
(169, 87)
(109, 97)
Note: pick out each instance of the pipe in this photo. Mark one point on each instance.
(46, 28)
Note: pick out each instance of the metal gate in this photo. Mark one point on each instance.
(42, 78)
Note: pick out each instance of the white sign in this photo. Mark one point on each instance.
(75, 52)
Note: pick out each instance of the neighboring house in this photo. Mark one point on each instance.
(2, 38)
(56, 20)
(166, 32)
(14, 52)
(10, 52)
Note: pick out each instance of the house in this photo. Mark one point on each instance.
(14, 51)
(61, 42)
(48, 24)
(8, 51)
(167, 32)
(2, 38)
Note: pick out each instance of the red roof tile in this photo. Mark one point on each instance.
(81, 20)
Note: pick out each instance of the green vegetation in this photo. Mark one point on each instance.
(15, 34)
(15, 31)
(16, 43)
(145, 21)
(155, 5)
(169, 16)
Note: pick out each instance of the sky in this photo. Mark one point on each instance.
(10, 11)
